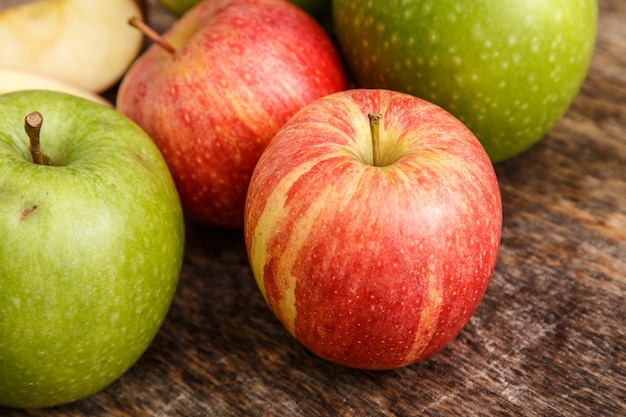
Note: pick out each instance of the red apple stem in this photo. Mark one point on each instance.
(137, 22)
(375, 128)
(32, 126)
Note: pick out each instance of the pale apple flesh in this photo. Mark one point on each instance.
(16, 79)
(240, 71)
(88, 43)
(373, 267)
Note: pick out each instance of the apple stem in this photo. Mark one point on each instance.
(374, 128)
(32, 126)
(137, 22)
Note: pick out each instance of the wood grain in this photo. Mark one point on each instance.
(549, 338)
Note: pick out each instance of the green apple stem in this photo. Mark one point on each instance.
(375, 128)
(137, 22)
(32, 126)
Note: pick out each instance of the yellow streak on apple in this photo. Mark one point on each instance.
(428, 318)
(271, 215)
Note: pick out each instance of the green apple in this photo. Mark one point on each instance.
(178, 7)
(91, 244)
(508, 69)
(316, 8)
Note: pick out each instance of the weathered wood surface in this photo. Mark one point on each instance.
(549, 338)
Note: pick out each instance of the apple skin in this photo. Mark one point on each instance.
(316, 8)
(373, 267)
(178, 7)
(88, 43)
(508, 69)
(241, 69)
(90, 248)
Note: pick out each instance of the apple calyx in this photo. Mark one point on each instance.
(139, 23)
(375, 128)
(32, 126)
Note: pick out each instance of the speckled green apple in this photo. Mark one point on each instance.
(91, 244)
(508, 69)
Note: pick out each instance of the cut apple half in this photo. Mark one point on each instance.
(16, 79)
(86, 42)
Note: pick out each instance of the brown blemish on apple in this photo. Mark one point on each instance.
(27, 211)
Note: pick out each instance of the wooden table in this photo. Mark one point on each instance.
(549, 338)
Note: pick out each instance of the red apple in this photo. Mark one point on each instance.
(238, 70)
(373, 263)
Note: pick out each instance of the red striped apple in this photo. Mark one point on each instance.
(217, 87)
(373, 241)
